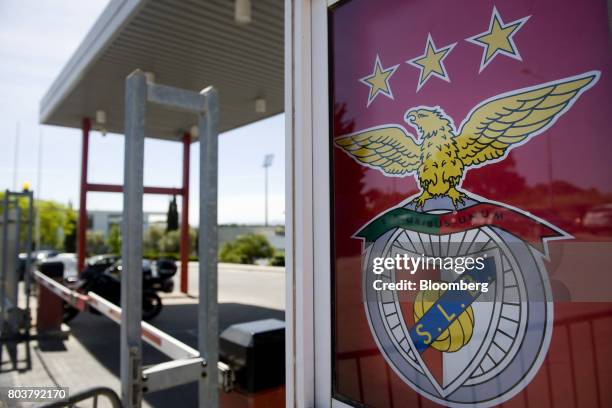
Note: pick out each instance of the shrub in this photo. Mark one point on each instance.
(278, 259)
(170, 242)
(157, 243)
(245, 249)
(151, 238)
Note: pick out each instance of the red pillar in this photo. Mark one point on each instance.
(82, 224)
(185, 216)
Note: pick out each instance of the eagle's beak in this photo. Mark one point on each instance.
(410, 116)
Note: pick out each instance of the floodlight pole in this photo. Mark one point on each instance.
(16, 157)
(266, 194)
(267, 163)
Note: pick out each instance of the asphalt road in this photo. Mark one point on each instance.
(245, 284)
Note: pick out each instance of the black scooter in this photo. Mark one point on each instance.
(157, 276)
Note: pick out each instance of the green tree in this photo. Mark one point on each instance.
(23, 212)
(57, 223)
(150, 242)
(95, 243)
(172, 218)
(70, 230)
(246, 249)
(114, 239)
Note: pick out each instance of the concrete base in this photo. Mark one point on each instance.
(49, 311)
(57, 334)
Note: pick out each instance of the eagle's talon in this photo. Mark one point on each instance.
(455, 180)
(456, 196)
(419, 202)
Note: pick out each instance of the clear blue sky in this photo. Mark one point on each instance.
(37, 37)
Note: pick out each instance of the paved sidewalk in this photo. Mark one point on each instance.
(56, 364)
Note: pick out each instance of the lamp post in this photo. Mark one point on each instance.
(16, 157)
(267, 163)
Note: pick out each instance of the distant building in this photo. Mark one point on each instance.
(102, 221)
(274, 234)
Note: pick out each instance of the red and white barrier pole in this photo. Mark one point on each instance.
(163, 342)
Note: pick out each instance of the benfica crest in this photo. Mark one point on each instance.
(460, 348)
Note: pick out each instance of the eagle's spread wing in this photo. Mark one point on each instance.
(494, 127)
(389, 149)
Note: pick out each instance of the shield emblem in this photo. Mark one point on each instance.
(455, 347)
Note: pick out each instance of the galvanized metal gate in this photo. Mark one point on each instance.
(138, 93)
(188, 364)
(13, 320)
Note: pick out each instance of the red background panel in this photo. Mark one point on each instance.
(563, 176)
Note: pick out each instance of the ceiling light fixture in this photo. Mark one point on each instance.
(260, 105)
(101, 121)
(242, 11)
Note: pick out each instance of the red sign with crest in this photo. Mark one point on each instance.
(494, 114)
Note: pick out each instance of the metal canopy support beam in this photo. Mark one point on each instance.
(86, 187)
(82, 224)
(205, 104)
(185, 215)
(117, 188)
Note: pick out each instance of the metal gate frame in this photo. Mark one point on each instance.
(9, 258)
(139, 92)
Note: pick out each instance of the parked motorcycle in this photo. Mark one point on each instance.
(106, 282)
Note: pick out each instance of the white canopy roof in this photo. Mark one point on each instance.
(187, 44)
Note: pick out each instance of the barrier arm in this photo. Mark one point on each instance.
(186, 365)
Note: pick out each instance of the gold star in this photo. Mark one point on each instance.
(431, 63)
(498, 39)
(378, 81)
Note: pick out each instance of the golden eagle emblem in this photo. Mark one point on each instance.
(489, 132)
